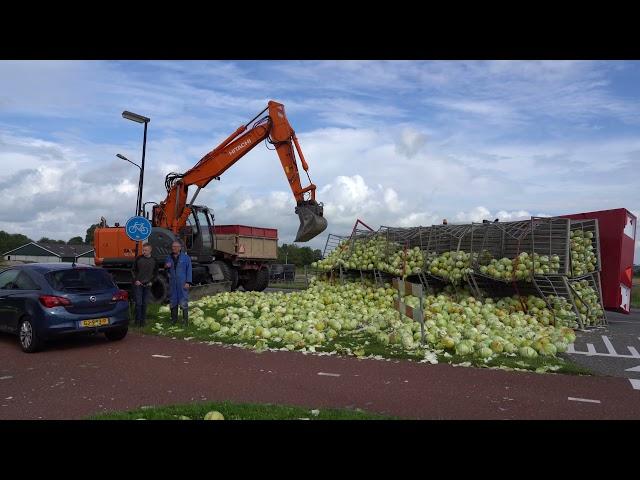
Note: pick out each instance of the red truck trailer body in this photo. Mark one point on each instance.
(617, 230)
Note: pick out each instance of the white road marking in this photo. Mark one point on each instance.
(633, 369)
(635, 383)
(587, 400)
(591, 351)
(609, 345)
(329, 374)
(6, 377)
(161, 356)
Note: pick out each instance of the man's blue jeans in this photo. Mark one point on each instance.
(141, 296)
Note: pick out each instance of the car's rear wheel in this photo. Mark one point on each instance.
(30, 342)
(116, 334)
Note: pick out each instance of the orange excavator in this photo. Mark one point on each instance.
(177, 219)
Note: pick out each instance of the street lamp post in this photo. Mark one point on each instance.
(134, 117)
(133, 163)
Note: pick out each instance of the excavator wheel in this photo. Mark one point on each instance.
(159, 290)
(230, 274)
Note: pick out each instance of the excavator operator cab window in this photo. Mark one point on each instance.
(203, 221)
(191, 232)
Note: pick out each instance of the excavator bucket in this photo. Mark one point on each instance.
(312, 222)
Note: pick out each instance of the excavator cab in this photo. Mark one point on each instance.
(312, 223)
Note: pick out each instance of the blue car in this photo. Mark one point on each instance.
(42, 301)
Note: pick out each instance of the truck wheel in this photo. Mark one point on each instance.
(262, 279)
(230, 274)
(159, 290)
(257, 281)
(234, 279)
(250, 284)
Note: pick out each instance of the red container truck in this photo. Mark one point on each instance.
(617, 244)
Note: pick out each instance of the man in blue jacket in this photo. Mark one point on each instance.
(178, 266)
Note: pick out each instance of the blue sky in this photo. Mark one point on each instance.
(393, 143)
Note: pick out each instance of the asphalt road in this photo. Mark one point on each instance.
(611, 353)
(79, 377)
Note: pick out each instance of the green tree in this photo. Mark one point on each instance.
(75, 241)
(9, 241)
(297, 255)
(51, 240)
(89, 237)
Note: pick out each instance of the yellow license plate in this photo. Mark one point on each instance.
(97, 322)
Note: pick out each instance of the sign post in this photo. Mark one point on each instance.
(415, 289)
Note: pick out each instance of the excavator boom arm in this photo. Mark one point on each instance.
(173, 212)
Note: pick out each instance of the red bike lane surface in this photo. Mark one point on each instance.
(81, 377)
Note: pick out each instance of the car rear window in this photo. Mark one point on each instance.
(80, 279)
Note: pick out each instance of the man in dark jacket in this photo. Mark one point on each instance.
(144, 271)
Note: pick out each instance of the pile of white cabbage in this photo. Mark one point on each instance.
(522, 267)
(588, 303)
(404, 262)
(451, 266)
(374, 253)
(563, 311)
(335, 258)
(323, 313)
(508, 325)
(583, 255)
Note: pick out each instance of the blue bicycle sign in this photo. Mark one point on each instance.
(138, 228)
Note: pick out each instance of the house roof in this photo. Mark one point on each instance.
(57, 249)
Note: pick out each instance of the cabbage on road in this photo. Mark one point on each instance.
(357, 318)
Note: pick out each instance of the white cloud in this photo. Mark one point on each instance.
(517, 215)
(410, 142)
(477, 214)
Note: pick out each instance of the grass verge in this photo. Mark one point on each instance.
(240, 411)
